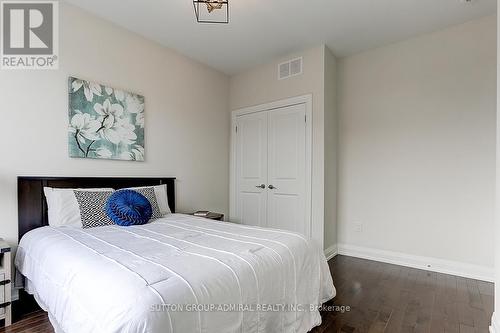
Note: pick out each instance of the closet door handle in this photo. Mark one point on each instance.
(271, 187)
(262, 186)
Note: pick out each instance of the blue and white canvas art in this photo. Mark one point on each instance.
(105, 123)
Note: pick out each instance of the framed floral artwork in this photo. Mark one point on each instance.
(104, 122)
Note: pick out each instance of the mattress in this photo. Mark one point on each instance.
(177, 274)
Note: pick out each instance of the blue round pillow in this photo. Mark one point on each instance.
(127, 207)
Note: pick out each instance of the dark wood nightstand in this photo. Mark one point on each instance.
(212, 216)
(5, 283)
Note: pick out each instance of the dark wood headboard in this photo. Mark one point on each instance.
(32, 207)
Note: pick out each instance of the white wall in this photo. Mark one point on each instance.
(417, 145)
(495, 321)
(187, 117)
(331, 145)
(261, 85)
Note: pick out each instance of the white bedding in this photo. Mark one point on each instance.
(115, 279)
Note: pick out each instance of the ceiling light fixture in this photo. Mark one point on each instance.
(211, 11)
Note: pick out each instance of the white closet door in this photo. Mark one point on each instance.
(251, 169)
(287, 170)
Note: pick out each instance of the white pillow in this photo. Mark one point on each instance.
(63, 208)
(161, 197)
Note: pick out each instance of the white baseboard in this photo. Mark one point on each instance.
(495, 324)
(427, 263)
(331, 252)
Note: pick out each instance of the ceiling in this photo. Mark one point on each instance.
(260, 30)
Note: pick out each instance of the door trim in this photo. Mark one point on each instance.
(304, 99)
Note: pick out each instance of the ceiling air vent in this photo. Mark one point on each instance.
(290, 68)
(284, 70)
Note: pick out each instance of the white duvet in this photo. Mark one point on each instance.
(178, 274)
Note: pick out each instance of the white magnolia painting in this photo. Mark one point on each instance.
(104, 122)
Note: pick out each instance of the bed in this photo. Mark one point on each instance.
(179, 273)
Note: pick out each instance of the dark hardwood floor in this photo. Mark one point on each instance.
(389, 298)
(382, 298)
